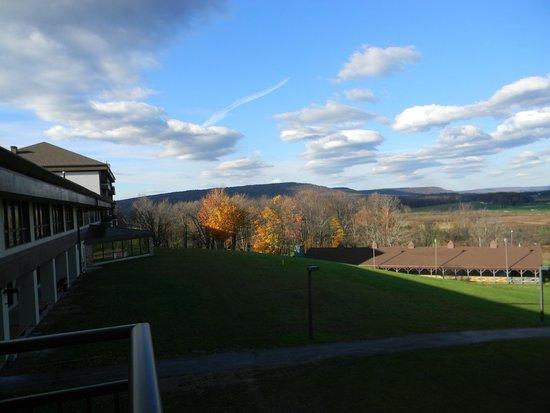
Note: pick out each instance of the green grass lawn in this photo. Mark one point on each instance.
(521, 208)
(200, 301)
(506, 376)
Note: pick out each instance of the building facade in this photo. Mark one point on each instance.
(87, 172)
(50, 227)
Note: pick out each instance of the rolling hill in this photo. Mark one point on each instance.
(410, 196)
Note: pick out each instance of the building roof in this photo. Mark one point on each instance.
(50, 156)
(485, 258)
(18, 164)
(101, 233)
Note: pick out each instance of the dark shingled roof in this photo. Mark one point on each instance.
(23, 166)
(519, 258)
(100, 233)
(50, 156)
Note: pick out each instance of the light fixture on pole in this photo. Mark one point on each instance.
(310, 269)
(374, 246)
(506, 257)
(511, 237)
(435, 250)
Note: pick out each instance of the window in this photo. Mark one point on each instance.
(107, 251)
(97, 251)
(144, 245)
(115, 250)
(69, 218)
(79, 217)
(58, 220)
(12, 295)
(127, 247)
(41, 220)
(16, 223)
(135, 247)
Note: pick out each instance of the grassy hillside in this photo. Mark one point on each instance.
(201, 301)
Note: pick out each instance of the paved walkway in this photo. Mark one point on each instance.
(276, 357)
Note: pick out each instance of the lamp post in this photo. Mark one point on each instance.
(506, 258)
(310, 269)
(435, 250)
(374, 246)
(541, 282)
(511, 237)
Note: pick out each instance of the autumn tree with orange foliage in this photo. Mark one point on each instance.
(278, 227)
(337, 238)
(221, 216)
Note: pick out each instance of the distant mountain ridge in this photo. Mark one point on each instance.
(507, 189)
(411, 196)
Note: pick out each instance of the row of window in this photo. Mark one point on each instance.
(17, 216)
(113, 250)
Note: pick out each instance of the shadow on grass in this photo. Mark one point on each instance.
(200, 301)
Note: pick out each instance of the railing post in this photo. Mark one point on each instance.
(143, 384)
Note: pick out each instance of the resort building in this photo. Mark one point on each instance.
(502, 264)
(56, 220)
(87, 172)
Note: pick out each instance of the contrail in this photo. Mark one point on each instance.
(221, 114)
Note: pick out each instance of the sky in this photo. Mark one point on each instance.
(364, 94)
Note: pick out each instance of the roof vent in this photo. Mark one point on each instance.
(493, 244)
(450, 244)
(13, 149)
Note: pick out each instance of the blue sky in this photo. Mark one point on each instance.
(134, 83)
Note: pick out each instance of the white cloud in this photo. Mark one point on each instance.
(314, 121)
(360, 95)
(335, 136)
(461, 148)
(524, 93)
(220, 115)
(530, 159)
(79, 69)
(377, 61)
(240, 168)
(461, 167)
(336, 152)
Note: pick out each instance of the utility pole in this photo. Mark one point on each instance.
(374, 246)
(541, 282)
(435, 246)
(506, 258)
(310, 269)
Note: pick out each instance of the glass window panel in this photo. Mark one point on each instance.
(108, 250)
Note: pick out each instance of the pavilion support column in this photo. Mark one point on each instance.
(61, 270)
(77, 260)
(4, 317)
(49, 281)
(29, 314)
(67, 261)
(521, 275)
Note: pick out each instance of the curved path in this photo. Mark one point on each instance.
(276, 357)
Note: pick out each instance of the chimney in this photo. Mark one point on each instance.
(493, 244)
(13, 149)
(450, 244)
(410, 245)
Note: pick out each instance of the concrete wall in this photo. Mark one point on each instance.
(88, 180)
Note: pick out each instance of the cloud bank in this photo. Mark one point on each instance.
(82, 74)
(524, 93)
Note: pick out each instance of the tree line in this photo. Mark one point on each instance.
(308, 218)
